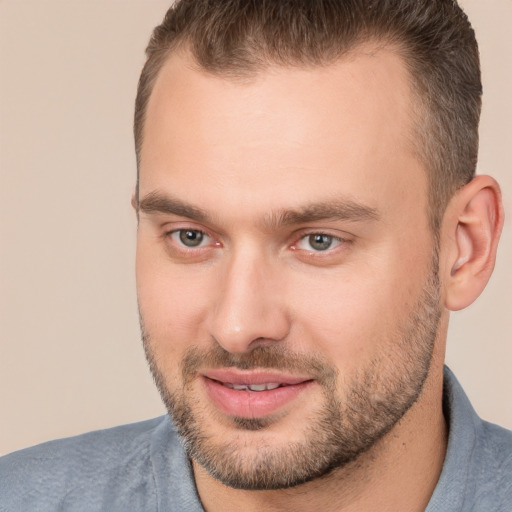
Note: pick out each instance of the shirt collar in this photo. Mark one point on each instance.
(463, 424)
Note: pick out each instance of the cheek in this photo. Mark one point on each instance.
(340, 323)
(172, 304)
(356, 314)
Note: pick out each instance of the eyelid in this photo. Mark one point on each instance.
(169, 231)
(174, 235)
(304, 234)
(335, 242)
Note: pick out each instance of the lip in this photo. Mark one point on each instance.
(252, 404)
(234, 376)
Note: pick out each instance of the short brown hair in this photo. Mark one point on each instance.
(434, 37)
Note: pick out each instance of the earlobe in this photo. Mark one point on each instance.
(475, 220)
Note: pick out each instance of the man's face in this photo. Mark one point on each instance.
(286, 273)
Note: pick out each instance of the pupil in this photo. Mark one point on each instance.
(191, 238)
(320, 242)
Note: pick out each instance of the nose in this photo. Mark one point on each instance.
(250, 309)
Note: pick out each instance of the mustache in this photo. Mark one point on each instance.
(274, 357)
(270, 356)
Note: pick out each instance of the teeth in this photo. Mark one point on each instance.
(252, 387)
(273, 385)
(239, 387)
(257, 387)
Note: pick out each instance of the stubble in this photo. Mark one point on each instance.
(374, 400)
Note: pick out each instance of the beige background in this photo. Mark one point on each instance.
(70, 357)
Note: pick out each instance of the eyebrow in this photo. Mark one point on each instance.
(337, 209)
(155, 202)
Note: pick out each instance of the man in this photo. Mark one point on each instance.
(308, 215)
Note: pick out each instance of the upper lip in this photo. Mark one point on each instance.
(249, 377)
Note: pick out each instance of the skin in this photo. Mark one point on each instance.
(242, 152)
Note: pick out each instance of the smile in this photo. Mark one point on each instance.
(252, 387)
(252, 394)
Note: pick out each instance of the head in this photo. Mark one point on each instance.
(296, 160)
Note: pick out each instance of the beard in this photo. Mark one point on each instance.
(344, 426)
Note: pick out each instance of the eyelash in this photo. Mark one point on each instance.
(176, 234)
(337, 240)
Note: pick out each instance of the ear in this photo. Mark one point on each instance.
(472, 229)
(135, 203)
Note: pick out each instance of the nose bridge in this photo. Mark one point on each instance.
(248, 303)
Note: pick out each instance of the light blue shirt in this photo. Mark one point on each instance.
(143, 467)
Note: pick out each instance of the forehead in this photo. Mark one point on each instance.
(347, 126)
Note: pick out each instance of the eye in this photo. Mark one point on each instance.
(318, 242)
(190, 238)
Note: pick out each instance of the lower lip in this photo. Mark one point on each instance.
(252, 404)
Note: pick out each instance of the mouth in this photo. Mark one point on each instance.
(252, 394)
(253, 387)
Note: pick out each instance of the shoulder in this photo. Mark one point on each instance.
(46, 476)
(97, 448)
(496, 441)
(492, 466)
(477, 471)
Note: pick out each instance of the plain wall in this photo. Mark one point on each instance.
(71, 358)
